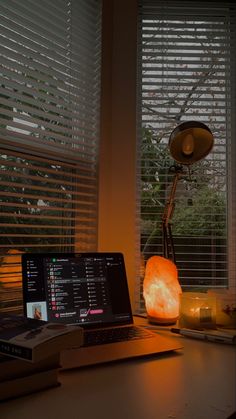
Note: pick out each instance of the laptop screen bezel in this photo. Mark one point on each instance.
(40, 256)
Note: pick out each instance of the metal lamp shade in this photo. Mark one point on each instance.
(190, 142)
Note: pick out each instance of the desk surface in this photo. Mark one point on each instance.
(196, 382)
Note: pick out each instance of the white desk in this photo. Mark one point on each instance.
(198, 382)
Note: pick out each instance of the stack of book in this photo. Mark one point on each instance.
(18, 377)
(30, 354)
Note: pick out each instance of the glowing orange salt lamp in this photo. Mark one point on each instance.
(161, 290)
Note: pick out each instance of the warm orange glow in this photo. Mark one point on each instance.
(197, 310)
(161, 290)
(10, 269)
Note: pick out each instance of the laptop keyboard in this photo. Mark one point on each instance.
(118, 334)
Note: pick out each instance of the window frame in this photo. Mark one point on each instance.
(230, 214)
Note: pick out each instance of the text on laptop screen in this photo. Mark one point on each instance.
(83, 288)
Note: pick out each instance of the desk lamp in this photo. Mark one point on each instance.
(189, 142)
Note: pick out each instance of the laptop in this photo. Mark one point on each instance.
(90, 290)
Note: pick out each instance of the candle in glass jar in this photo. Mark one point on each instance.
(225, 307)
(197, 310)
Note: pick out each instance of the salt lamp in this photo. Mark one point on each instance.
(161, 290)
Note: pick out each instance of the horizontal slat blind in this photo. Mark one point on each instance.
(46, 204)
(186, 64)
(50, 76)
(49, 132)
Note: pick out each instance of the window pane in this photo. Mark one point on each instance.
(50, 76)
(46, 204)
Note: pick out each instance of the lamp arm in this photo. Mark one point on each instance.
(167, 238)
(169, 207)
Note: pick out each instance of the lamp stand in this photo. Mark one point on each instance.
(167, 238)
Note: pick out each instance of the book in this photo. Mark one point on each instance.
(22, 386)
(11, 368)
(34, 340)
(19, 377)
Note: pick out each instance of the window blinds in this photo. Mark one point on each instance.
(49, 131)
(186, 72)
(50, 76)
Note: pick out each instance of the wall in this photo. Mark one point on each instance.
(116, 230)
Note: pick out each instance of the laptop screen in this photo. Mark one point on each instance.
(89, 289)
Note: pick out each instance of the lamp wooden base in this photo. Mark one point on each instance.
(162, 321)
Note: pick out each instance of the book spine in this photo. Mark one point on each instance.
(17, 351)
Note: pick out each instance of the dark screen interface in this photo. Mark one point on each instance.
(79, 289)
